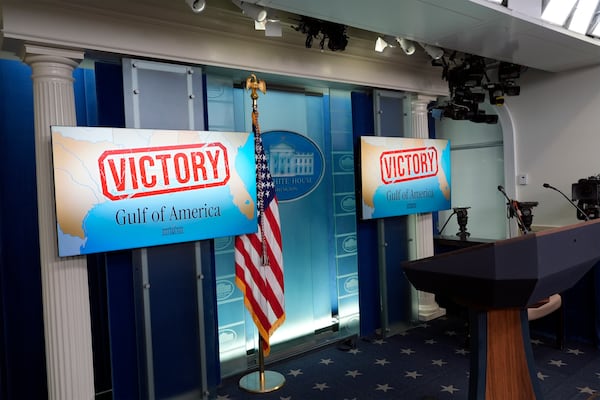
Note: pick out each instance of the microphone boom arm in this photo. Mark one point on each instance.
(583, 213)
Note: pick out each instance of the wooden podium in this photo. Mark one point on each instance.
(497, 281)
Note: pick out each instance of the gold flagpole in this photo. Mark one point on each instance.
(260, 381)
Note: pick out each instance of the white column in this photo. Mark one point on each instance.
(428, 308)
(65, 294)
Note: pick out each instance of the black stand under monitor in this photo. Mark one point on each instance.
(497, 281)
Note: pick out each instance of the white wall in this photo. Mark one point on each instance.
(557, 139)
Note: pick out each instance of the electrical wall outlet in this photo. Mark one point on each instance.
(523, 179)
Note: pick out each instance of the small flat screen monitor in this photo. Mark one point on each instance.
(401, 176)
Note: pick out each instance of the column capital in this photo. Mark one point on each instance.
(35, 53)
(423, 98)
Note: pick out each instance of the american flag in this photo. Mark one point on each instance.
(258, 256)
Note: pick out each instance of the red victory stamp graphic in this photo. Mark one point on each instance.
(149, 171)
(408, 164)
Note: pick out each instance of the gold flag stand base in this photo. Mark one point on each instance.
(268, 381)
(262, 381)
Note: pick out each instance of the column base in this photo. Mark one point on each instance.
(431, 314)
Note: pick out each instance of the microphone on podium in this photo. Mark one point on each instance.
(579, 210)
(513, 210)
(501, 189)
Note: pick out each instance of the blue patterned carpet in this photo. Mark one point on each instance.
(428, 362)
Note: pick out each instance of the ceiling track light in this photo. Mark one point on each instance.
(272, 27)
(434, 52)
(197, 6)
(250, 10)
(383, 42)
(407, 46)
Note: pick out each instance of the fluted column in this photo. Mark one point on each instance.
(65, 294)
(423, 223)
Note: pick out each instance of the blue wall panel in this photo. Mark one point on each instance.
(23, 364)
(364, 124)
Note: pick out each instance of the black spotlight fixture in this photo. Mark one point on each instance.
(332, 35)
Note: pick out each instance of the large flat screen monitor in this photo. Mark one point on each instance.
(401, 176)
(126, 188)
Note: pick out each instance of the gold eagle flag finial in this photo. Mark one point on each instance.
(254, 84)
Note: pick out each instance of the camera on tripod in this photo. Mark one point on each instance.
(587, 194)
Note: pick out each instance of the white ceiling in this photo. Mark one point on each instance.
(469, 26)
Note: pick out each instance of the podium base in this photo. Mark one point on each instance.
(257, 382)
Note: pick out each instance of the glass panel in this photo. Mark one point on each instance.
(344, 212)
(477, 145)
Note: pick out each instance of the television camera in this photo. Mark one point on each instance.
(469, 83)
(587, 194)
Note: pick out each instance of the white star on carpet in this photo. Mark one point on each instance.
(326, 361)
(577, 352)
(412, 374)
(438, 362)
(295, 372)
(450, 333)
(382, 361)
(431, 341)
(354, 351)
(450, 389)
(384, 388)
(541, 376)
(320, 386)
(586, 389)
(557, 363)
(379, 341)
(462, 352)
(423, 325)
(407, 351)
(536, 342)
(353, 373)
